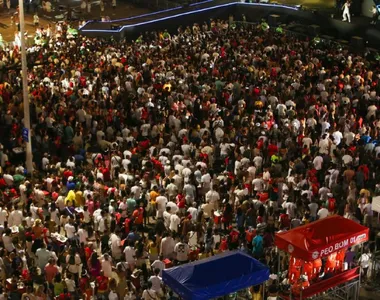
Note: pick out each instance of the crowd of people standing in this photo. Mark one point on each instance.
(173, 148)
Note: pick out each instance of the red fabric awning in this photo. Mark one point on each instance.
(321, 238)
(326, 284)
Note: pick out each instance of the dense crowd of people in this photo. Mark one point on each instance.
(173, 148)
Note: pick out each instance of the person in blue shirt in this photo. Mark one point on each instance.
(133, 236)
(258, 246)
(70, 185)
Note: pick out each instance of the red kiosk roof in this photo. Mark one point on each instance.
(322, 237)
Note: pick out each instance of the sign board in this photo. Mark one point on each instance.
(354, 240)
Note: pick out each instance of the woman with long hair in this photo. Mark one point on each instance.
(94, 265)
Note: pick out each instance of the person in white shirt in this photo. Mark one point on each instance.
(175, 220)
(130, 255)
(213, 198)
(167, 216)
(158, 264)
(182, 251)
(368, 213)
(322, 213)
(364, 261)
(189, 191)
(149, 293)
(156, 281)
(161, 202)
(313, 207)
(3, 215)
(172, 190)
(106, 262)
(7, 240)
(324, 145)
(290, 208)
(15, 218)
(8, 179)
(167, 246)
(115, 245)
(70, 229)
(258, 184)
(82, 233)
(205, 182)
(193, 211)
(70, 283)
(318, 161)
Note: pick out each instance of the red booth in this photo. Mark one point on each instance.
(326, 239)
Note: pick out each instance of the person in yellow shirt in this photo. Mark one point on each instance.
(79, 199)
(152, 248)
(256, 292)
(70, 198)
(153, 195)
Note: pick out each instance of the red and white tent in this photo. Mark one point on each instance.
(321, 238)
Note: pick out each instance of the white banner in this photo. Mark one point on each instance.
(376, 204)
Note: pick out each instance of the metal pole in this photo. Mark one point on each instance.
(29, 155)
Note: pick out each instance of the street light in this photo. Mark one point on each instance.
(24, 69)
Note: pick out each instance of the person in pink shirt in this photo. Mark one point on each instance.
(90, 204)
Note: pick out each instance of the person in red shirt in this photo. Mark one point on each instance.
(308, 269)
(340, 255)
(331, 204)
(300, 285)
(51, 270)
(67, 173)
(106, 174)
(365, 171)
(3, 184)
(272, 149)
(181, 203)
(64, 296)
(249, 235)
(127, 225)
(233, 239)
(331, 263)
(317, 266)
(223, 245)
(295, 265)
(102, 283)
(138, 217)
(284, 220)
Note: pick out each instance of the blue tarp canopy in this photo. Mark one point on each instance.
(215, 276)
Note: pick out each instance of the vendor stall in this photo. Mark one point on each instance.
(317, 255)
(215, 276)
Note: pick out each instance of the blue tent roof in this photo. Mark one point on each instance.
(215, 276)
